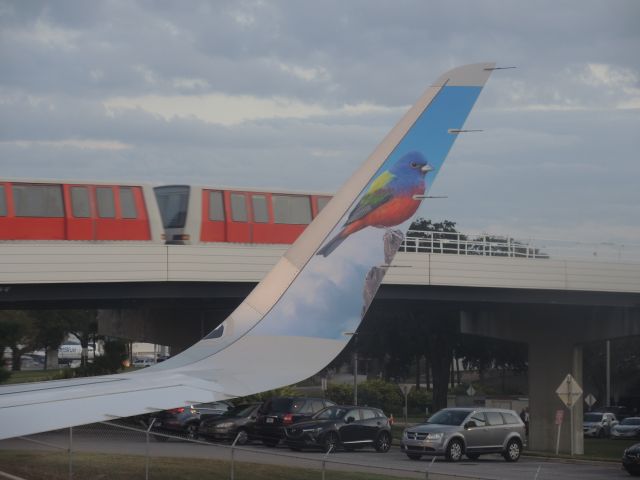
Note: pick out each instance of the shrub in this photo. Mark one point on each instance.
(373, 393)
(418, 401)
(342, 394)
(4, 375)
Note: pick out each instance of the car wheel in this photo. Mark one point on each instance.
(473, 456)
(414, 456)
(242, 437)
(192, 431)
(383, 442)
(513, 450)
(601, 433)
(331, 442)
(454, 451)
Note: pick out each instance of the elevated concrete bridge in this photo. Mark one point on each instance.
(552, 299)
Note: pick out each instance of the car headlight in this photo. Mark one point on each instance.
(435, 436)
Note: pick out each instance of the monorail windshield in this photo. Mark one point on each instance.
(172, 202)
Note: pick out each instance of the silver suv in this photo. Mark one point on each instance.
(453, 432)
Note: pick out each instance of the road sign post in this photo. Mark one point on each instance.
(559, 419)
(405, 388)
(569, 392)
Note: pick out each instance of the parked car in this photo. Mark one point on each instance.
(341, 425)
(278, 413)
(185, 420)
(598, 424)
(620, 411)
(141, 362)
(631, 460)
(627, 428)
(454, 432)
(240, 420)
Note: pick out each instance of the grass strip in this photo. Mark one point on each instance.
(96, 466)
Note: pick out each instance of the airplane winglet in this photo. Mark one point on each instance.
(293, 323)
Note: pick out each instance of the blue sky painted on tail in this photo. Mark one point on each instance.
(326, 299)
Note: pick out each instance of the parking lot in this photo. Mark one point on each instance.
(113, 442)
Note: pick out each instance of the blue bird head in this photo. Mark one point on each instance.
(411, 163)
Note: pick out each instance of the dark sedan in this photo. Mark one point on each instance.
(185, 420)
(347, 426)
(237, 422)
(631, 460)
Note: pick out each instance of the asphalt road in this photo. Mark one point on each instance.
(393, 463)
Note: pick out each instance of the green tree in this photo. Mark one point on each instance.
(82, 324)
(17, 332)
(51, 328)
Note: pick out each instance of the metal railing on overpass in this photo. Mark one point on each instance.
(456, 243)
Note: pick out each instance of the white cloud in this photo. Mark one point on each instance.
(598, 75)
(223, 109)
(305, 73)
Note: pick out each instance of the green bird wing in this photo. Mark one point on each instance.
(377, 194)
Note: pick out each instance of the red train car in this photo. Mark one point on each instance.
(194, 214)
(39, 210)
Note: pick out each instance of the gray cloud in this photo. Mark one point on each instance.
(558, 155)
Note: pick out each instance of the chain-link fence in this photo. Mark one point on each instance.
(137, 451)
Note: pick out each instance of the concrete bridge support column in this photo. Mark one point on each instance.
(554, 338)
(550, 360)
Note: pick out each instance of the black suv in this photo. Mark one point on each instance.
(347, 426)
(279, 412)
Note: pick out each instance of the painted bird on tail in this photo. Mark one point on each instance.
(389, 200)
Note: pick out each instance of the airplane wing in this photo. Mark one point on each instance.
(294, 322)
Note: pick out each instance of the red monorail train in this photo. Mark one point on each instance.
(82, 211)
(193, 214)
(38, 210)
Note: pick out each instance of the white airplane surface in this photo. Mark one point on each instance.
(294, 322)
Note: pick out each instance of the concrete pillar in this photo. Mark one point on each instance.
(550, 360)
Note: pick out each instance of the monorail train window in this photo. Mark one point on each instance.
(3, 203)
(216, 207)
(172, 202)
(80, 202)
(291, 209)
(260, 212)
(38, 200)
(238, 208)
(322, 202)
(127, 203)
(106, 205)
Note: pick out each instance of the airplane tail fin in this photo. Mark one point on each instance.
(301, 314)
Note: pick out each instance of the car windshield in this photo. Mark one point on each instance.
(631, 421)
(449, 417)
(592, 417)
(240, 411)
(331, 413)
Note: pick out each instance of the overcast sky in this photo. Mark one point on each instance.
(296, 94)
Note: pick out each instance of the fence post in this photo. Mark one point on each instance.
(146, 463)
(70, 453)
(233, 469)
(426, 473)
(324, 461)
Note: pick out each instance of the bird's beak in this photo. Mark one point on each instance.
(427, 168)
